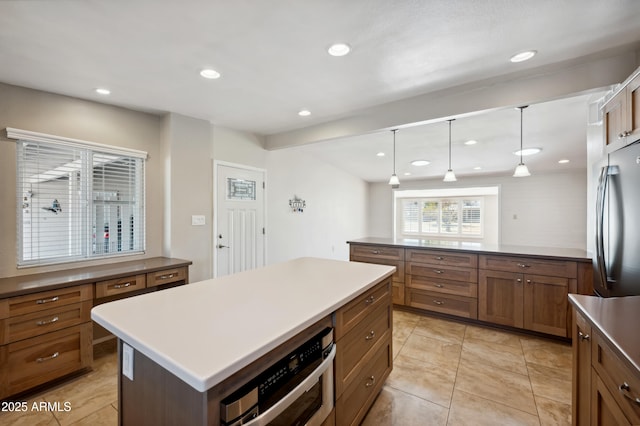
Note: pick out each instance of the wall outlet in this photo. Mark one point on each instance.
(127, 361)
(197, 220)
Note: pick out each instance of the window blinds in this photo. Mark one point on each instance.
(77, 201)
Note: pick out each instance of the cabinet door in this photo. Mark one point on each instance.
(500, 297)
(581, 392)
(546, 304)
(604, 409)
(633, 110)
(614, 118)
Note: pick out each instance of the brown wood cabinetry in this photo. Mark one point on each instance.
(363, 329)
(581, 373)
(445, 282)
(47, 334)
(383, 255)
(621, 115)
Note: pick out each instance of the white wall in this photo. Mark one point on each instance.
(336, 208)
(550, 208)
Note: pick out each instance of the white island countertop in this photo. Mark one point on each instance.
(206, 331)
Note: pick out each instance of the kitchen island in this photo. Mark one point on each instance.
(192, 346)
(513, 286)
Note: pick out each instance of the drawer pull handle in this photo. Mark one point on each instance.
(47, 358)
(626, 391)
(45, 322)
(375, 252)
(583, 336)
(439, 258)
(440, 285)
(119, 286)
(438, 302)
(528, 281)
(369, 300)
(524, 265)
(43, 301)
(370, 336)
(438, 271)
(519, 280)
(166, 277)
(370, 382)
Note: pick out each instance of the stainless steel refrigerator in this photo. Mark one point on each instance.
(617, 259)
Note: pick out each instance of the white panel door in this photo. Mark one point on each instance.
(239, 232)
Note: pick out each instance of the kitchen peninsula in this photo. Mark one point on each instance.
(514, 286)
(195, 345)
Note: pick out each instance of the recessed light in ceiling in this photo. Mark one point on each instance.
(380, 154)
(563, 161)
(407, 173)
(210, 73)
(477, 168)
(339, 49)
(420, 163)
(523, 56)
(103, 91)
(471, 142)
(527, 151)
(304, 113)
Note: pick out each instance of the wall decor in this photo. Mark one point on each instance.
(297, 205)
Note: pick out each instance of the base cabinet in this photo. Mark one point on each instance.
(384, 255)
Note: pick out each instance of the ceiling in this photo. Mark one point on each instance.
(273, 60)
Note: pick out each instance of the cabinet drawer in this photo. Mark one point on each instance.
(556, 268)
(360, 340)
(459, 288)
(20, 305)
(398, 275)
(376, 252)
(35, 361)
(25, 326)
(450, 273)
(358, 396)
(166, 276)
(460, 306)
(617, 376)
(432, 257)
(356, 310)
(120, 285)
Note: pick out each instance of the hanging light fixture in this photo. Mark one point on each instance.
(394, 181)
(450, 176)
(521, 169)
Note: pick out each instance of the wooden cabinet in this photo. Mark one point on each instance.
(621, 115)
(534, 300)
(383, 255)
(363, 330)
(441, 281)
(118, 286)
(581, 372)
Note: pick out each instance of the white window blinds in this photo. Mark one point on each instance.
(77, 200)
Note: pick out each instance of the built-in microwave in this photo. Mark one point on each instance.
(296, 390)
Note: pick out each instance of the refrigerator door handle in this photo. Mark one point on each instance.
(603, 181)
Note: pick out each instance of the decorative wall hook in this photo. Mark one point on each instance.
(297, 205)
(55, 207)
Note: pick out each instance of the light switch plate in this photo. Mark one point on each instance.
(197, 220)
(127, 361)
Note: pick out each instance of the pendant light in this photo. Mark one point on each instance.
(521, 169)
(394, 181)
(450, 176)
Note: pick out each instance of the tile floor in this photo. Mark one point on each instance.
(445, 373)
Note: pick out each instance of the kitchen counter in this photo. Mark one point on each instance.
(478, 247)
(206, 331)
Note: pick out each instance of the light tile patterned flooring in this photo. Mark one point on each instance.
(445, 373)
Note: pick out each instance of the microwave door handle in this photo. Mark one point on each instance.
(325, 367)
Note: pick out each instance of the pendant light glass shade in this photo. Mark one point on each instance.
(450, 176)
(394, 181)
(521, 169)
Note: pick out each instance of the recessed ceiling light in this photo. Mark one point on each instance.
(407, 173)
(339, 49)
(380, 154)
(304, 113)
(420, 163)
(471, 142)
(210, 73)
(523, 56)
(527, 151)
(563, 161)
(103, 91)
(477, 168)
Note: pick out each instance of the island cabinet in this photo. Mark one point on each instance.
(606, 378)
(442, 281)
(46, 330)
(621, 114)
(384, 255)
(363, 361)
(529, 293)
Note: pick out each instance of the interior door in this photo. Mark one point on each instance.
(240, 219)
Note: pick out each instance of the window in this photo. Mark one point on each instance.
(77, 200)
(442, 217)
